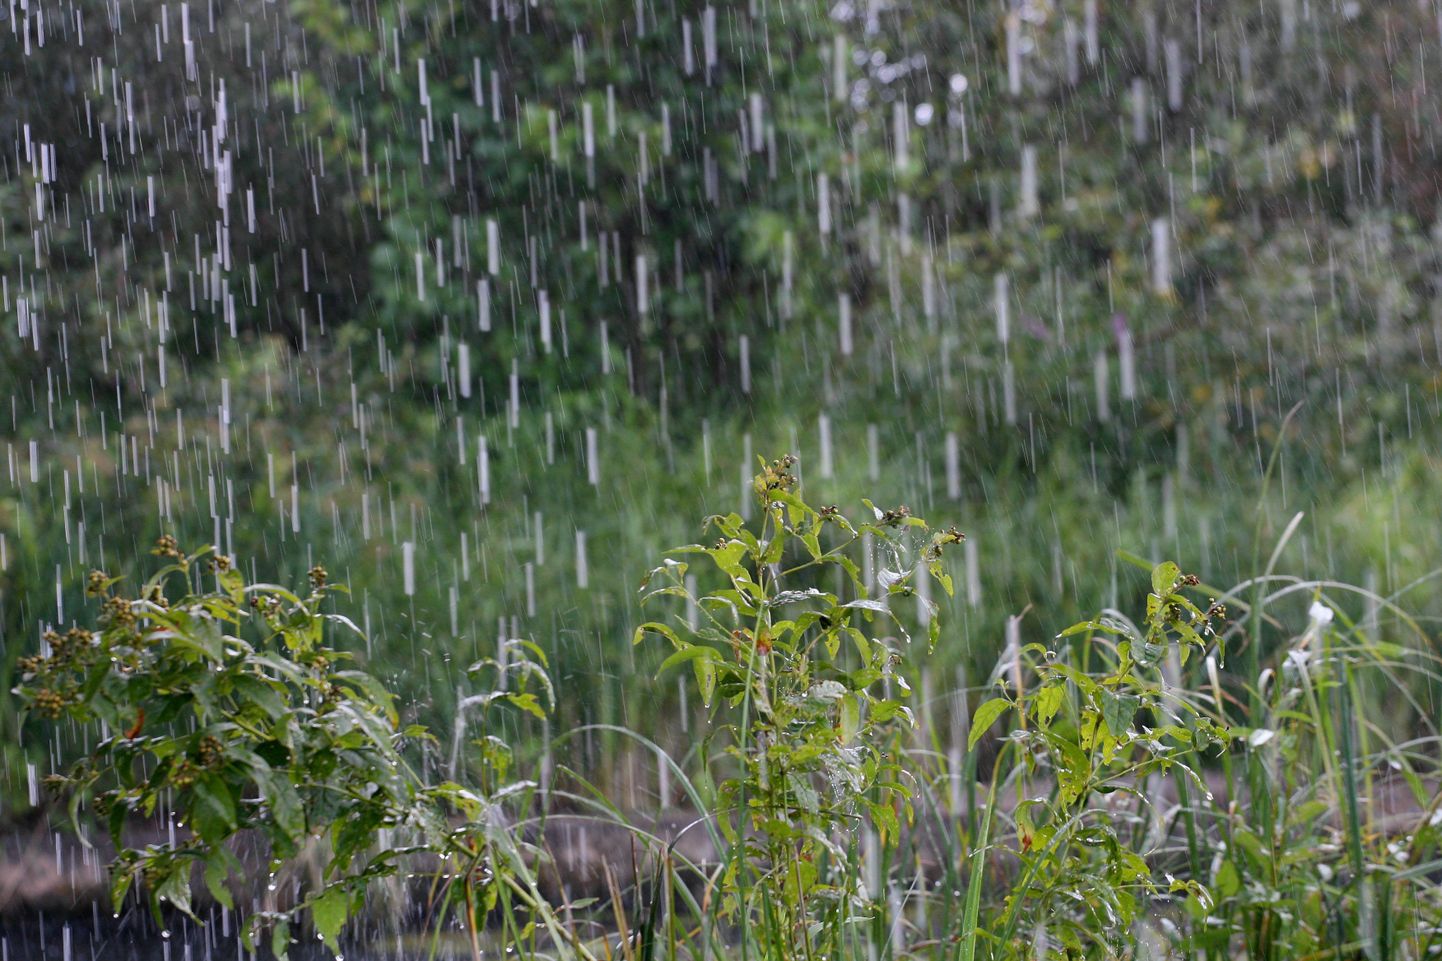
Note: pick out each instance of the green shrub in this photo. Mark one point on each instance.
(229, 708)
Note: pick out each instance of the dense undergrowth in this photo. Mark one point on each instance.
(1073, 306)
(1248, 772)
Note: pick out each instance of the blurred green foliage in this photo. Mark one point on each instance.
(522, 276)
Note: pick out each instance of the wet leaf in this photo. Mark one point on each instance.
(984, 717)
(329, 912)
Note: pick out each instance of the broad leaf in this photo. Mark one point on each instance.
(1164, 578)
(985, 716)
(1118, 711)
(329, 913)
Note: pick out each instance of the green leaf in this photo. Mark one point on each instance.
(213, 812)
(1079, 628)
(730, 524)
(775, 548)
(863, 646)
(1118, 711)
(1149, 652)
(804, 793)
(1227, 881)
(887, 825)
(370, 691)
(705, 678)
(217, 871)
(985, 716)
(233, 583)
(261, 693)
(284, 803)
(176, 886)
(690, 652)
(280, 940)
(528, 703)
(850, 718)
(728, 557)
(656, 627)
(116, 823)
(1164, 578)
(883, 711)
(1047, 702)
(797, 509)
(329, 913)
(120, 881)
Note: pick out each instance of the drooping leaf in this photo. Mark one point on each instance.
(217, 872)
(329, 912)
(984, 717)
(213, 812)
(656, 627)
(283, 802)
(175, 888)
(689, 652)
(121, 877)
(705, 678)
(280, 940)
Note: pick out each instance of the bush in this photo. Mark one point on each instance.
(228, 709)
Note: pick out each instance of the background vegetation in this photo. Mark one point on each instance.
(517, 291)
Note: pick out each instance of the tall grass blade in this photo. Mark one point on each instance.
(971, 919)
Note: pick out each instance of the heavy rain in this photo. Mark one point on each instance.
(464, 469)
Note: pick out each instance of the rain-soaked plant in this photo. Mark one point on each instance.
(1338, 846)
(1101, 721)
(807, 691)
(225, 709)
